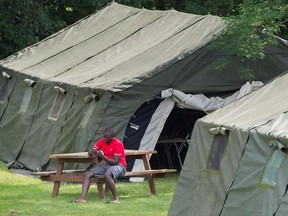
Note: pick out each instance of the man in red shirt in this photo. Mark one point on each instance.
(113, 164)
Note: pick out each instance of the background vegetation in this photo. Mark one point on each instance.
(25, 195)
(25, 22)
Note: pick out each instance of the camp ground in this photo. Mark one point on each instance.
(237, 161)
(109, 69)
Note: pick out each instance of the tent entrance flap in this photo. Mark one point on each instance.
(137, 126)
(146, 126)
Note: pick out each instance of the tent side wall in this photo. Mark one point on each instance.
(201, 189)
(8, 79)
(263, 200)
(262, 174)
(47, 125)
(19, 106)
(28, 109)
(81, 123)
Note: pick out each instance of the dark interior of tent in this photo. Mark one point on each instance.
(176, 137)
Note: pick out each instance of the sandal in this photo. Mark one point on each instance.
(115, 202)
(79, 201)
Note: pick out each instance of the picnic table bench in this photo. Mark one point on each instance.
(61, 175)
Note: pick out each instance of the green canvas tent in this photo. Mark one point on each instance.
(237, 161)
(58, 95)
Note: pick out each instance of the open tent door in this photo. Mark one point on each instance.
(174, 139)
(158, 120)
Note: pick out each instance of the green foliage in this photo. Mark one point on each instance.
(250, 31)
(71, 11)
(254, 28)
(219, 8)
(23, 23)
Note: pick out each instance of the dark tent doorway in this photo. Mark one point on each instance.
(174, 140)
(176, 133)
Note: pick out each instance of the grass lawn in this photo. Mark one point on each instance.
(25, 195)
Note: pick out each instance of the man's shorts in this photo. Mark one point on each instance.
(117, 170)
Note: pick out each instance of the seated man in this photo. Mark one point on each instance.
(113, 164)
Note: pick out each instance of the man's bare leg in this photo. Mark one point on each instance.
(112, 187)
(85, 186)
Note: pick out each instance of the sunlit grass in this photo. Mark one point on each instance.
(25, 195)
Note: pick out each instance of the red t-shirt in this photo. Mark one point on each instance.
(115, 147)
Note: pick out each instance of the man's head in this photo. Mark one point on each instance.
(108, 134)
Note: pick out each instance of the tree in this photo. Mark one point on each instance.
(25, 22)
(255, 27)
(222, 8)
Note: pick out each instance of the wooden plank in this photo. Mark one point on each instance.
(128, 174)
(83, 155)
(47, 173)
(71, 155)
(148, 172)
(129, 152)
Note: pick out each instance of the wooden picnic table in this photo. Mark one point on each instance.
(61, 175)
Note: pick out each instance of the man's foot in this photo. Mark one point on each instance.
(80, 201)
(115, 202)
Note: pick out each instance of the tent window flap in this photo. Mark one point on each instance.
(27, 95)
(87, 115)
(270, 174)
(3, 90)
(58, 103)
(26, 100)
(216, 152)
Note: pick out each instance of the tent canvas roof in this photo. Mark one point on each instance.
(123, 39)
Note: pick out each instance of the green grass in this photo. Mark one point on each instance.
(25, 195)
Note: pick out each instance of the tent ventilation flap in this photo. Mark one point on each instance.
(29, 82)
(60, 90)
(218, 130)
(90, 97)
(6, 75)
(275, 144)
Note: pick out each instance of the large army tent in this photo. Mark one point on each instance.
(237, 161)
(109, 69)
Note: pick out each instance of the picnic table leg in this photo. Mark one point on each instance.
(149, 177)
(56, 186)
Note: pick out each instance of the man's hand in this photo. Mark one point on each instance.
(99, 153)
(93, 151)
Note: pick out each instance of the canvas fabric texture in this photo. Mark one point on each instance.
(252, 177)
(126, 56)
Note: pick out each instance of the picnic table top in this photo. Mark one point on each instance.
(128, 152)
